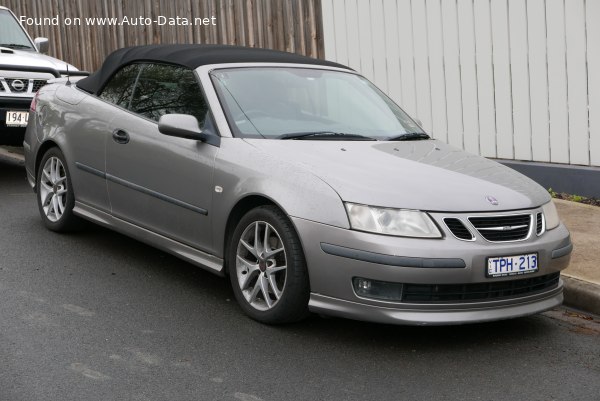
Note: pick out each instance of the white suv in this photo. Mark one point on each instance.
(23, 70)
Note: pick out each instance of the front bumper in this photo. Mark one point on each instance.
(12, 136)
(422, 261)
(474, 314)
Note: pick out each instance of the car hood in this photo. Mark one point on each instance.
(23, 58)
(426, 175)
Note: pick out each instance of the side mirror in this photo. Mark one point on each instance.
(181, 126)
(42, 44)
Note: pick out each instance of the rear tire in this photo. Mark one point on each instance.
(269, 277)
(55, 195)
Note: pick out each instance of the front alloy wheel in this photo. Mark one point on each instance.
(261, 265)
(267, 267)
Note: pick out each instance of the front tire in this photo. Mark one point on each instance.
(267, 267)
(55, 193)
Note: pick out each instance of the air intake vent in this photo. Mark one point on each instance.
(503, 228)
(423, 293)
(539, 223)
(458, 229)
(454, 293)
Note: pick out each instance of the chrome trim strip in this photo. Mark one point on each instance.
(392, 260)
(543, 224)
(502, 228)
(531, 226)
(560, 252)
(140, 188)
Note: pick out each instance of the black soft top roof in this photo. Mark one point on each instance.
(191, 56)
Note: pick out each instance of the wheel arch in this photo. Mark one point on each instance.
(43, 148)
(243, 206)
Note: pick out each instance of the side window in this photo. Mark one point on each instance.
(120, 87)
(166, 89)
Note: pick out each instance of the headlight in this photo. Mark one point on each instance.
(401, 222)
(551, 215)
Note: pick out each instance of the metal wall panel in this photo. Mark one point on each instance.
(510, 79)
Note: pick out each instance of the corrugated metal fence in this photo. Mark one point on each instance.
(511, 79)
(290, 25)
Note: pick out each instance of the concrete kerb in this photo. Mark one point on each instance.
(581, 294)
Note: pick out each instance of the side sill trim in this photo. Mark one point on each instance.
(141, 189)
(195, 256)
(391, 260)
(560, 252)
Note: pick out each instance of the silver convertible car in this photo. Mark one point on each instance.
(299, 180)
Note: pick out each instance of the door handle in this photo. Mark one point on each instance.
(120, 136)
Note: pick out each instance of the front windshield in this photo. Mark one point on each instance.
(275, 102)
(11, 33)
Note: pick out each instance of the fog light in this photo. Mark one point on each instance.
(377, 289)
(363, 284)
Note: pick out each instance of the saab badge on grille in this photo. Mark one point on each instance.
(492, 200)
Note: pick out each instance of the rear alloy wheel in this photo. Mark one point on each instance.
(55, 194)
(267, 267)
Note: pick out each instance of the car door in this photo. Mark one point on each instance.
(89, 130)
(159, 182)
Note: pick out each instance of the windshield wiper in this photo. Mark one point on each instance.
(327, 135)
(15, 46)
(409, 136)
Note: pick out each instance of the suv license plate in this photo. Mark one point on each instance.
(17, 118)
(502, 266)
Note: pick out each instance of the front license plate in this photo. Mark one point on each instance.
(17, 118)
(503, 266)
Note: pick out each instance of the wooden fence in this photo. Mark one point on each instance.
(290, 25)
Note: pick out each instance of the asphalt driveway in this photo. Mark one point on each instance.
(99, 316)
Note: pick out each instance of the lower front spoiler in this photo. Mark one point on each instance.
(467, 313)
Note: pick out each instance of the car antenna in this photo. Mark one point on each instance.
(68, 78)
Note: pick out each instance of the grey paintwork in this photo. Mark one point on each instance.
(410, 175)
(155, 188)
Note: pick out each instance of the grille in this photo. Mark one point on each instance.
(37, 84)
(478, 291)
(458, 229)
(539, 224)
(23, 89)
(502, 228)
